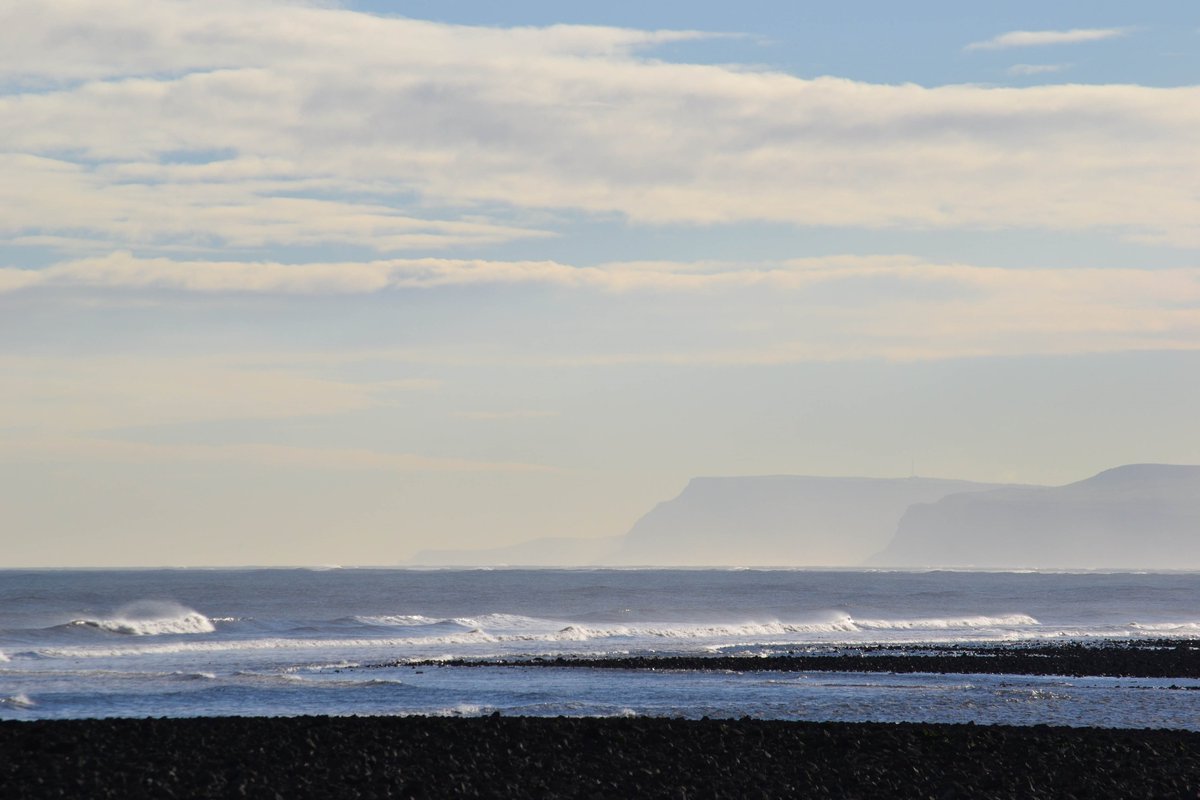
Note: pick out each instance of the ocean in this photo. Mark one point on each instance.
(281, 642)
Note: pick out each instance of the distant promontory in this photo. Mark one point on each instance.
(779, 519)
(1140, 516)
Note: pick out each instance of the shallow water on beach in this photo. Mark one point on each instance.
(280, 642)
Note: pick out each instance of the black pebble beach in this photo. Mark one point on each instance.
(1118, 659)
(517, 757)
(369, 757)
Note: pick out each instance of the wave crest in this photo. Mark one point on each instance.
(842, 624)
(1009, 621)
(151, 619)
(396, 620)
(19, 700)
(1166, 627)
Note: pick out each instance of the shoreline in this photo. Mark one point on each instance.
(1125, 658)
(331, 757)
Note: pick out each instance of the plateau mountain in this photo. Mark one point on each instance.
(1138, 516)
(781, 520)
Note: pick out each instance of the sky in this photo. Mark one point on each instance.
(318, 283)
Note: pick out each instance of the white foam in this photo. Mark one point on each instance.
(397, 620)
(581, 633)
(274, 643)
(505, 621)
(152, 619)
(1165, 627)
(1009, 621)
(343, 664)
(842, 624)
(486, 621)
(529, 632)
(3, 657)
(460, 710)
(19, 700)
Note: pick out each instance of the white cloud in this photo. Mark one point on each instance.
(124, 271)
(326, 125)
(1040, 38)
(819, 308)
(634, 313)
(204, 208)
(13, 279)
(1023, 70)
(66, 41)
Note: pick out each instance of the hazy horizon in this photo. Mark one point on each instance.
(293, 283)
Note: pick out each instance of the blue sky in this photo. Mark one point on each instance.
(294, 283)
(881, 42)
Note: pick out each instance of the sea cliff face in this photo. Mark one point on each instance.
(779, 520)
(1140, 516)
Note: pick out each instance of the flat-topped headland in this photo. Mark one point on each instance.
(518, 757)
(1168, 658)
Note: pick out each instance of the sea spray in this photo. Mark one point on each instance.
(152, 618)
(17, 701)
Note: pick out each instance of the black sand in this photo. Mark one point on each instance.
(1122, 659)
(370, 757)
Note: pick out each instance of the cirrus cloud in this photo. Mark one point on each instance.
(1025, 70)
(1012, 39)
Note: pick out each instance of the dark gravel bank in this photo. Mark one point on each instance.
(1143, 659)
(604, 758)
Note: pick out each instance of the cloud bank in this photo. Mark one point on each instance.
(816, 308)
(172, 126)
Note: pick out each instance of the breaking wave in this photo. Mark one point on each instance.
(19, 700)
(1010, 621)
(842, 624)
(423, 633)
(1166, 627)
(396, 620)
(148, 618)
(484, 621)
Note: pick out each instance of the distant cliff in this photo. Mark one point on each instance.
(1140, 516)
(778, 520)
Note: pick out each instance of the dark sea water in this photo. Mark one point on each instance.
(293, 641)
